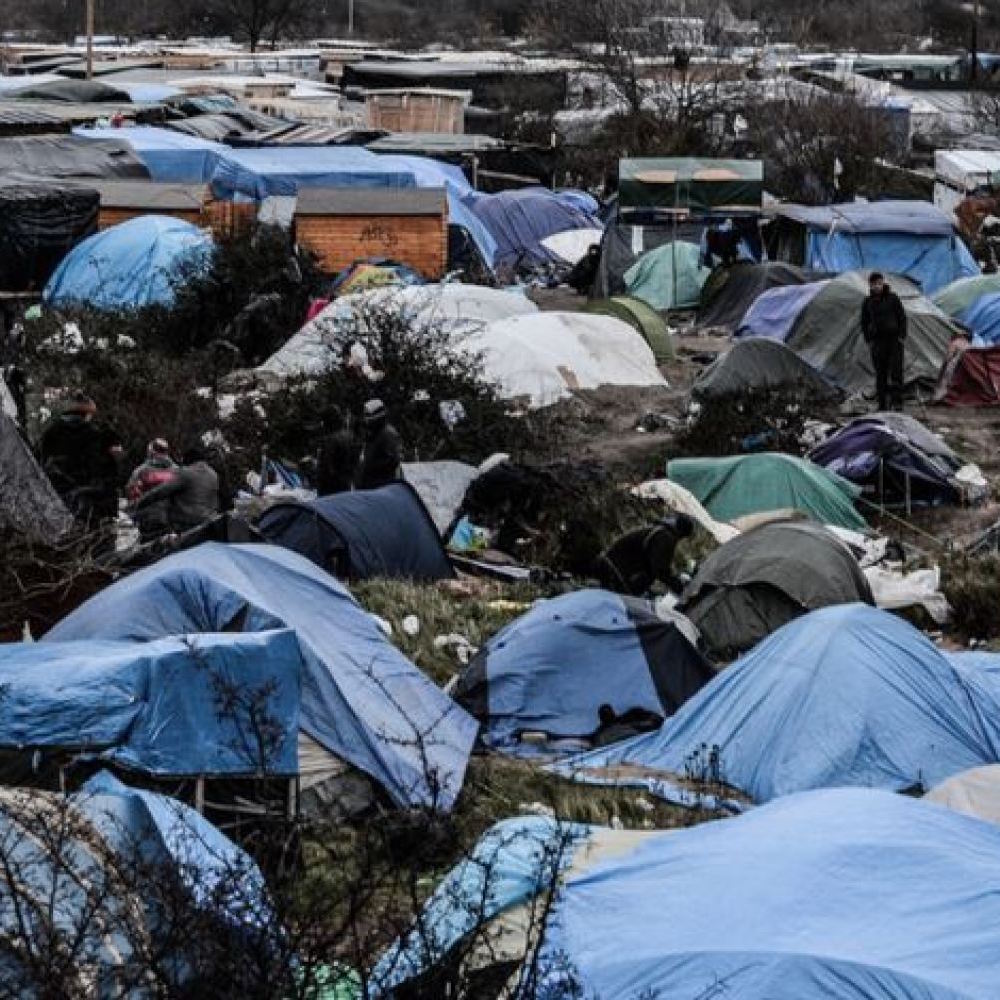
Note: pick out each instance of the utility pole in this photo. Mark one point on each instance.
(90, 39)
(974, 68)
(350, 18)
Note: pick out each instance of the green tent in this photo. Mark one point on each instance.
(752, 484)
(647, 321)
(692, 186)
(669, 277)
(959, 295)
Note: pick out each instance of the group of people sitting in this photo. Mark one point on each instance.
(82, 458)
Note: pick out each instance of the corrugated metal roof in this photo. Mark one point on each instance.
(371, 201)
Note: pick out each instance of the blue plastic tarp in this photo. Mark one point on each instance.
(553, 668)
(255, 174)
(915, 218)
(775, 312)
(520, 220)
(982, 320)
(930, 261)
(385, 532)
(850, 893)
(170, 157)
(130, 266)
(847, 695)
(360, 697)
(157, 707)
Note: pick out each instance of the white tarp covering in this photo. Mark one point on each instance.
(441, 486)
(572, 245)
(682, 501)
(975, 792)
(893, 590)
(544, 357)
(459, 309)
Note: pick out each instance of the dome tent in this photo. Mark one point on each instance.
(764, 578)
(971, 377)
(644, 318)
(846, 893)
(847, 695)
(130, 266)
(752, 484)
(731, 290)
(982, 320)
(760, 365)
(669, 277)
(955, 298)
(548, 671)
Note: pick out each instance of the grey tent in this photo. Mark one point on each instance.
(732, 289)
(827, 334)
(756, 365)
(762, 579)
(74, 92)
(29, 505)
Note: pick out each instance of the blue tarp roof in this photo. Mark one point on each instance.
(774, 313)
(155, 707)
(915, 218)
(982, 320)
(848, 695)
(361, 698)
(130, 266)
(551, 669)
(170, 157)
(847, 893)
(520, 220)
(385, 532)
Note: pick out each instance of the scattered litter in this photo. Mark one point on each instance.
(536, 809)
(384, 625)
(463, 649)
(411, 625)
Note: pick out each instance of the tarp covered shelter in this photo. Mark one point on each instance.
(982, 319)
(765, 577)
(167, 156)
(847, 695)
(550, 670)
(624, 243)
(910, 238)
(669, 277)
(361, 698)
(975, 792)
(644, 318)
(844, 893)
(453, 307)
(545, 356)
(970, 377)
(153, 707)
(955, 298)
(74, 92)
(774, 313)
(520, 220)
(692, 186)
(731, 290)
(39, 224)
(760, 365)
(29, 505)
(892, 456)
(132, 265)
(752, 484)
(64, 156)
(824, 329)
(362, 534)
(77, 863)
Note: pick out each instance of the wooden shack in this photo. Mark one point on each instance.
(344, 225)
(417, 110)
(124, 200)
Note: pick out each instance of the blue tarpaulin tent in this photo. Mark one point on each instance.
(982, 320)
(153, 706)
(385, 532)
(361, 698)
(520, 220)
(847, 695)
(130, 266)
(775, 313)
(910, 238)
(850, 893)
(553, 668)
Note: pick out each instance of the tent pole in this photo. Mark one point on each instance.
(199, 795)
(90, 39)
(909, 509)
(881, 485)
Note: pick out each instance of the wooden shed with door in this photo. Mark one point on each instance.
(417, 110)
(344, 225)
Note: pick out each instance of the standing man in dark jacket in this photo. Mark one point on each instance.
(382, 455)
(883, 323)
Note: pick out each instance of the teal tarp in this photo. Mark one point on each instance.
(752, 484)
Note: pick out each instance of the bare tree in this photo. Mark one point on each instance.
(258, 19)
